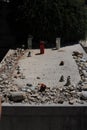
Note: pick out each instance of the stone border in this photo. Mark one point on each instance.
(43, 118)
(83, 46)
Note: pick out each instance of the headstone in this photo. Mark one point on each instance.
(83, 95)
(30, 42)
(57, 43)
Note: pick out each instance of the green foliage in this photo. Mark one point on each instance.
(48, 19)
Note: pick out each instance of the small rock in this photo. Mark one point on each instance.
(84, 88)
(15, 76)
(85, 73)
(80, 82)
(18, 72)
(61, 79)
(80, 101)
(22, 76)
(42, 87)
(32, 99)
(4, 76)
(68, 82)
(1, 79)
(61, 63)
(29, 85)
(33, 88)
(26, 100)
(60, 101)
(38, 77)
(83, 60)
(24, 89)
(43, 99)
(83, 78)
(71, 87)
(13, 89)
(80, 68)
(79, 88)
(29, 54)
(34, 95)
(86, 79)
(86, 64)
(6, 82)
(1, 86)
(2, 99)
(61, 89)
(71, 102)
(77, 53)
(85, 82)
(74, 57)
(28, 90)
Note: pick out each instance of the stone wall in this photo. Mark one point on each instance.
(17, 117)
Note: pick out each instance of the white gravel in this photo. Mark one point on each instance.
(47, 67)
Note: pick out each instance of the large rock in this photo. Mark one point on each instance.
(84, 72)
(16, 96)
(84, 87)
(83, 95)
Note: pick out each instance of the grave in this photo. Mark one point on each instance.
(45, 109)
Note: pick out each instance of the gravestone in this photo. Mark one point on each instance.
(57, 43)
(29, 42)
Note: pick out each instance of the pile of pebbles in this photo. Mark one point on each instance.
(30, 94)
(8, 65)
(82, 67)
